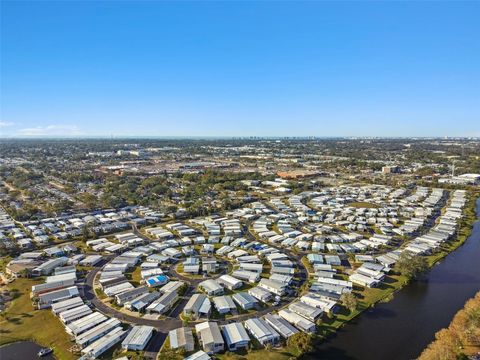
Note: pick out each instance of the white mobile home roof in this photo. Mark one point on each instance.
(209, 332)
(250, 276)
(229, 281)
(199, 355)
(70, 315)
(96, 332)
(101, 345)
(273, 286)
(244, 300)
(260, 293)
(195, 303)
(235, 333)
(138, 337)
(64, 305)
(51, 286)
(163, 303)
(182, 338)
(83, 324)
(297, 320)
(45, 300)
(318, 301)
(171, 286)
(211, 287)
(223, 303)
(307, 311)
(284, 328)
(117, 289)
(261, 330)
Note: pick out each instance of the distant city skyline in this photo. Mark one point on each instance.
(239, 69)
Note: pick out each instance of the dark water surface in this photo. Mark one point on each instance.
(402, 328)
(24, 350)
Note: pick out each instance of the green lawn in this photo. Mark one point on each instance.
(308, 265)
(362, 204)
(263, 354)
(136, 276)
(22, 322)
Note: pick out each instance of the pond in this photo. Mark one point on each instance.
(24, 350)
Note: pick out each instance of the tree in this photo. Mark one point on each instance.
(462, 333)
(349, 301)
(411, 266)
(86, 232)
(302, 342)
(89, 200)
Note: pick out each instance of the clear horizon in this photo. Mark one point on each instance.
(239, 69)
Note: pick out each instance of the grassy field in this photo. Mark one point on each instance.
(362, 204)
(3, 262)
(273, 354)
(308, 265)
(22, 322)
(136, 277)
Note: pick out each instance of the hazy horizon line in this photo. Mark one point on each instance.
(220, 137)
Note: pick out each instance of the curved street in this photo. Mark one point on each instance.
(164, 325)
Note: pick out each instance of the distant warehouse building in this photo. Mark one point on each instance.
(465, 179)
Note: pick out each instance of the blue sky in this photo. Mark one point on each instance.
(240, 68)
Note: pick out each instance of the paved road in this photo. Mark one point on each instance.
(173, 321)
(164, 325)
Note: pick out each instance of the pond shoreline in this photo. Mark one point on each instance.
(22, 350)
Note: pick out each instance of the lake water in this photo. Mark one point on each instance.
(24, 350)
(402, 328)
